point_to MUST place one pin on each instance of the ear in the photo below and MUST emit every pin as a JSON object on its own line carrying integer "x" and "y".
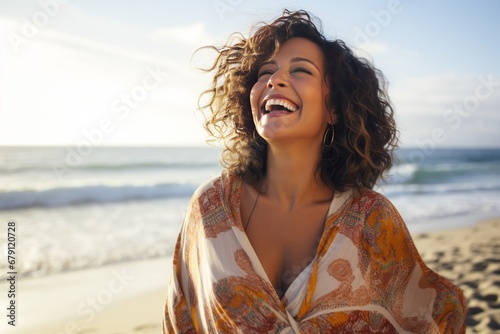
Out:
{"x": 330, "y": 109}
{"x": 333, "y": 117}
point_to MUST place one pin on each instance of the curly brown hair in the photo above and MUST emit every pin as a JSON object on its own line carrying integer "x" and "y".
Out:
{"x": 365, "y": 133}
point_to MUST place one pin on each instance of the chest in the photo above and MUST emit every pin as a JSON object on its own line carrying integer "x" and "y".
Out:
{"x": 286, "y": 243}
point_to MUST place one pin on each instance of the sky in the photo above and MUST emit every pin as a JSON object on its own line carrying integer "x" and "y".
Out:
{"x": 92, "y": 72}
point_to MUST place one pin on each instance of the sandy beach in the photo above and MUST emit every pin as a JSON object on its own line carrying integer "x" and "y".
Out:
{"x": 128, "y": 297}
{"x": 121, "y": 298}
{"x": 469, "y": 257}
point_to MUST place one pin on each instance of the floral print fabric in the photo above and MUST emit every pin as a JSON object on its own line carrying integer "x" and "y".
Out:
{"x": 367, "y": 275}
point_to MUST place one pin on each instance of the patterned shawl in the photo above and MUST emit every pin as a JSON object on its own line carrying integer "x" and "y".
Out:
{"x": 367, "y": 275}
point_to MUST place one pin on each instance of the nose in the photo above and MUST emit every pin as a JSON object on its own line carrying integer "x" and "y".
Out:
{"x": 276, "y": 80}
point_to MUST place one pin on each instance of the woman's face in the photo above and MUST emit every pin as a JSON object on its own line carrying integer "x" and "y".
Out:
{"x": 289, "y": 98}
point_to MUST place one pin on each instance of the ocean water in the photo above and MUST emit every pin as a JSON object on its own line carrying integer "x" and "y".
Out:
{"x": 79, "y": 209}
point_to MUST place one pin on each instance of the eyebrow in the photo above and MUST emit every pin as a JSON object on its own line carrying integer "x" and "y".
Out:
{"x": 297, "y": 59}
{"x": 293, "y": 60}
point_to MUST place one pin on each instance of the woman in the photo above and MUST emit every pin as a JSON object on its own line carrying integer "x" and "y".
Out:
{"x": 291, "y": 238}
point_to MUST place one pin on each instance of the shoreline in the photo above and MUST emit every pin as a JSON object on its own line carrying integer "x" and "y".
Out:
{"x": 125, "y": 297}
{"x": 128, "y": 297}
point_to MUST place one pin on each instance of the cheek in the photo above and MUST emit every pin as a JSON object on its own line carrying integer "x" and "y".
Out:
{"x": 255, "y": 98}
{"x": 315, "y": 96}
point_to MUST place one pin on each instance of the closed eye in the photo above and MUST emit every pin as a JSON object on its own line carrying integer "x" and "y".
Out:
{"x": 265, "y": 72}
{"x": 301, "y": 69}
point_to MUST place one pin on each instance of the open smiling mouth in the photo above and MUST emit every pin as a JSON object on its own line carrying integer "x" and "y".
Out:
{"x": 272, "y": 105}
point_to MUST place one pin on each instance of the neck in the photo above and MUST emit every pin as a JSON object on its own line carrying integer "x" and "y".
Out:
{"x": 292, "y": 179}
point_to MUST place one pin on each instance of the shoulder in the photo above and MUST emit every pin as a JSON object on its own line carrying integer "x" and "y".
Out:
{"x": 369, "y": 201}
{"x": 216, "y": 197}
{"x": 375, "y": 216}
{"x": 217, "y": 188}
{"x": 214, "y": 206}
{"x": 206, "y": 188}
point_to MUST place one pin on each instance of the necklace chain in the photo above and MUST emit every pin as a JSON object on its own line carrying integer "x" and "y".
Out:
{"x": 254, "y": 205}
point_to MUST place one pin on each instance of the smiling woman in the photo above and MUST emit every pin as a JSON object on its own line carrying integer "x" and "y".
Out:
{"x": 291, "y": 238}
{"x": 289, "y": 98}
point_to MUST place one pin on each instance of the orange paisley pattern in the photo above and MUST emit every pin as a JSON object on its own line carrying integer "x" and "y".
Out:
{"x": 367, "y": 276}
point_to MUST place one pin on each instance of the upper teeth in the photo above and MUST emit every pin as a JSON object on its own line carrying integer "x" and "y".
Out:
{"x": 283, "y": 103}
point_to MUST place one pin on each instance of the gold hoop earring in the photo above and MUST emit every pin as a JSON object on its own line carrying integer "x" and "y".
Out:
{"x": 329, "y": 137}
